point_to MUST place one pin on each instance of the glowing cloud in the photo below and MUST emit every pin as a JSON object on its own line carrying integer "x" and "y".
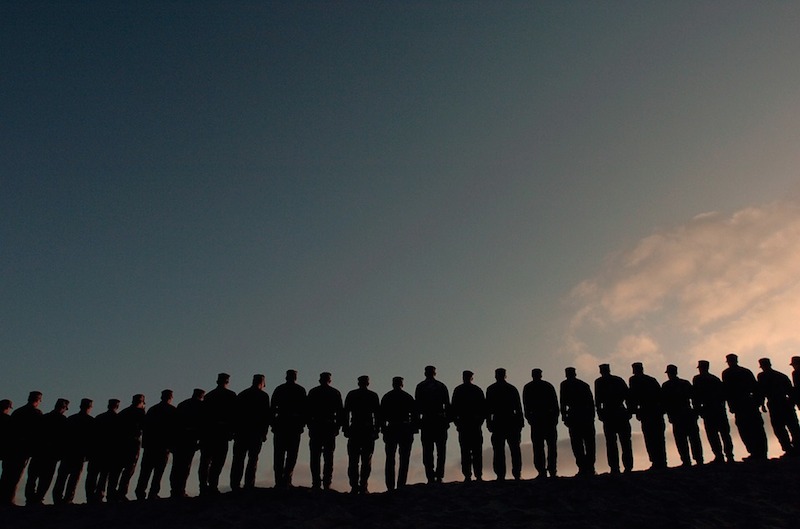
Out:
{"x": 714, "y": 285}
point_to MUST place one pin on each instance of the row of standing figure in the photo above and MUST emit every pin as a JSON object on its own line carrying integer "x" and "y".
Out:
{"x": 112, "y": 441}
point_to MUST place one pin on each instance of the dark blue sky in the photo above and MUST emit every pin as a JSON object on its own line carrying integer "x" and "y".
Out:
{"x": 187, "y": 188}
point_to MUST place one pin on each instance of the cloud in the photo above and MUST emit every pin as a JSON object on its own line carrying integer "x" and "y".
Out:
{"x": 700, "y": 290}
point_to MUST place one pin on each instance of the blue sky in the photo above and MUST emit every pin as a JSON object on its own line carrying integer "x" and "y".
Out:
{"x": 367, "y": 189}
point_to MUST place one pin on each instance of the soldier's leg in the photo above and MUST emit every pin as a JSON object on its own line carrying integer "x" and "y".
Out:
{"x": 404, "y": 448}
{"x": 499, "y": 455}
{"x": 292, "y": 449}
{"x": 367, "y": 449}
{"x": 612, "y": 452}
{"x": 514, "y": 441}
{"x": 466, "y": 453}
{"x": 253, "y": 453}
{"x": 390, "y": 444}
{"x": 539, "y": 459}
{"x": 327, "y": 460}
{"x": 441, "y": 454}
{"x": 353, "y": 453}
{"x": 626, "y": 445}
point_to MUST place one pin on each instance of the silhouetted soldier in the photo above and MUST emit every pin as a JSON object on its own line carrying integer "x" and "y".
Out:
{"x": 24, "y": 425}
{"x": 577, "y": 412}
{"x": 102, "y": 453}
{"x": 505, "y": 420}
{"x": 644, "y": 401}
{"x": 325, "y": 418}
{"x": 741, "y": 392}
{"x": 709, "y": 401}
{"x": 288, "y": 422}
{"x": 678, "y": 402}
{"x": 611, "y": 401}
{"x": 777, "y": 390}
{"x": 433, "y": 403}
{"x": 5, "y": 428}
{"x": 362, "y": 424}
{"x": 158, "y": 438}
{"x": 219, "y": 406}
{"x": 399, "y": 418}
{"x": 48, "y": 449}
{"x": 252, "y": 425}
{"x": 79, "y": 433}
{"x": 469, "y": 412}
{"x": 541, "y": 410}
{"x": 130, "y": 423}
{"x": 189, "y": 417}
{"x": 795, "y": 363}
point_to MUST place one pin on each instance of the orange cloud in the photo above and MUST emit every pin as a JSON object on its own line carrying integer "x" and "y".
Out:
{"x": 713, "y": 285}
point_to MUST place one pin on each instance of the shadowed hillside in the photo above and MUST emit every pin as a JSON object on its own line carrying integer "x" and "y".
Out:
{"x": 740, "y": 495}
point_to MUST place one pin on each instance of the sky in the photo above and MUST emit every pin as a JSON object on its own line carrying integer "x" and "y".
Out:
{"x": 369, "y": 188}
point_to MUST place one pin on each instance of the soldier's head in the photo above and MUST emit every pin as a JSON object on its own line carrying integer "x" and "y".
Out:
{"x": 166, "y": 396}
{"x": 397, "y": 382}
{"x": 113, "y": 404}
{"x": 223, "y": 379}
{"x": 795, "y": 363}
{"x": 466, "y": 376}
{"x": 732, "y": 359}
{"x": 570, "y": 372}
{"x": 672, "y": 371}
{"x": 259, "y": 381}
{"x": 137, "y": 401}
{"x": 605, "y": 369}
{"x": 5, "y": 406}
{"x": 702, "y": 366}
{"x": 325, "y": 378}
{"x": 291, "y": 375}
{"x": 86, "y": 405}
{"x": 363, "y": 381}
{"x": 62, "y": 405}
{"x": 35, "y": 398}
{"x": 198, "y": 394}
{"x": 536, "y": 374}
{"x": 765, "y": 364}
{"x": 430, "y": 371}
{"x": 637, "y": 368}
{"x": 500, "y": 374}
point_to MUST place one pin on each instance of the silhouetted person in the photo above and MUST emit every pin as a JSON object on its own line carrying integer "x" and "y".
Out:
{"x": 645, "y": 402}
{"x": 252, "y": 425}
{"x": 219, "y": 422}
{"x": 611, "y": 401}
{"x": 25, "y": 425}
{"x": 577, "y": 412}
{"x": 362, "y": 424}
{"x": 130, "y": 423}
{"x": 102, "y": 453}
{"x": 325, "y": 418}
{"x": 433, "y": 403}
{"x": 795, "y": 363}
{"x": 48, "y": 448}
{"x": 158, "y": 438}
{"x": 5, "y": 428}
{"x": 469, "y": 413}
{"x": 678, "y": 403}
{"x": 709, "y": 402}
{"x": 288, "y": 422}
{"x": 79, "y": 433}
{"x": 741, "y": 392}
{"x": 505, "y": 420}
{"x": 777, "y": 390}
{"x": 540, "y": 404}
{"x": 189, "y": 417}
{"x": 399, "y": 419}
